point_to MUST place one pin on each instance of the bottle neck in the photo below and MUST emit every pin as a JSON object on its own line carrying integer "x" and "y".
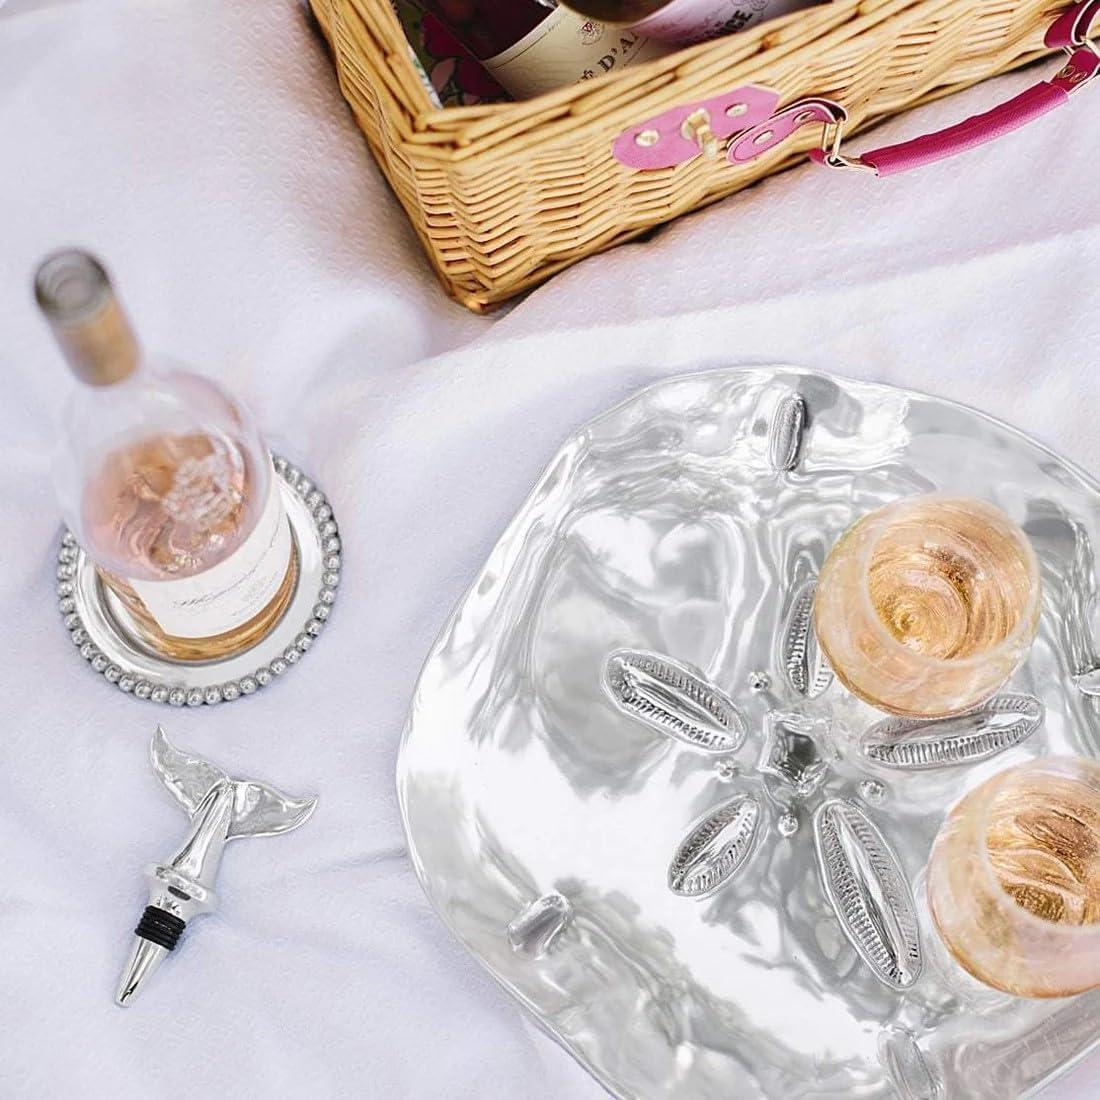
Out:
{"x": 89, "y": 324}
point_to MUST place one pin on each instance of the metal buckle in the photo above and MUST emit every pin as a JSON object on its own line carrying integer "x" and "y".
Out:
{"x": 832, "y": 137}
{"x": 1085, "y": 44}
{"x": 696, "y": 127}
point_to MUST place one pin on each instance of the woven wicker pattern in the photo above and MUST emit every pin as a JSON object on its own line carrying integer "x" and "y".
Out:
{"x": 503, "y": 196}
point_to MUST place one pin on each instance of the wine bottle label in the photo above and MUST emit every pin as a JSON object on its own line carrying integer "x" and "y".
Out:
{"x": 684, "y": 22}
{"x": 566, "y": 48}
{"x": 230, "y": 593}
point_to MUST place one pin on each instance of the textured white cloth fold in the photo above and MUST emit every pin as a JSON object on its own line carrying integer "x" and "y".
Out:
{"x": 203, "y": 149}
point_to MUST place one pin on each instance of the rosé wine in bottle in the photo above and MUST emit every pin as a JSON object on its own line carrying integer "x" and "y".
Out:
{"x": 534, "y": 46}
{"x": 165, "y": 481}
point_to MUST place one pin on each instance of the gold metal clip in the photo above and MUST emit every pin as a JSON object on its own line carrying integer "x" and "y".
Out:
{"x": 696, "y": 127}
{"x": 832, "y": 137}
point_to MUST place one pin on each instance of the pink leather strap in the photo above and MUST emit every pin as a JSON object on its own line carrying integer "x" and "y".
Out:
{"x": 1003, "y": 119}
{"x": 1069, "y": 32}
{"x": 775, "y": 129}
{"x": 1071, "y": 28}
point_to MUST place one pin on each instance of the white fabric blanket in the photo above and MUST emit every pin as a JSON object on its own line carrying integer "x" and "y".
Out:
{"x": 202, "y": 147}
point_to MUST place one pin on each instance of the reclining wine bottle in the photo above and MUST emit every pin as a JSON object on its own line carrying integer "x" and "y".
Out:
{"x": 683, "y": 22}
{"x": 534, "y": 46}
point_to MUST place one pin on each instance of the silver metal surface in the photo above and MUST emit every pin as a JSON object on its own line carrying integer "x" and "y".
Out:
{"x": 869, "y": 893}
{"x": 221, "y": 809}
{"x": 1004, "y": 721}
{"x": 788, "y": 424}
{"x": 96, "y": 620}
{"x": 807, "y": 670}
{"x": 715, "y": 849}
{"x": 534, "y": 930}
{"x": 664, "y": 526}
{"x": 673, "y": 698}
{"x": 794, "y": 753}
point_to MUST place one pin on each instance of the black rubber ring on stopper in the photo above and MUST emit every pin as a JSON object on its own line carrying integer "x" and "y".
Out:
{"x": 160, "y": 927}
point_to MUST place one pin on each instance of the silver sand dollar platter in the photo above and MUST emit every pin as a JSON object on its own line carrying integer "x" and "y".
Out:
{"x": 636, "y": 794}
{"x": 97, "y": 624}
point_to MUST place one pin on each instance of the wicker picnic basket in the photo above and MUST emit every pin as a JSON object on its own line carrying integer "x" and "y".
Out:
{"x": 505, "y": 195}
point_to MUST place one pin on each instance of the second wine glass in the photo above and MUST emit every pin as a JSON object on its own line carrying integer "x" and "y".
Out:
{"x": 928, "y": 605}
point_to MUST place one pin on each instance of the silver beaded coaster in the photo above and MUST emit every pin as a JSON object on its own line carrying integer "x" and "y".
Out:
{"x": 96, "y": 620}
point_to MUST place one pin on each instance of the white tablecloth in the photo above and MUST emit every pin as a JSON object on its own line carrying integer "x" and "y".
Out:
{"x": 203, "y": 149}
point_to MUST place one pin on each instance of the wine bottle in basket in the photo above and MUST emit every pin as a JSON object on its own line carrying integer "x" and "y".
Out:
{"x": 165, "y": 481}
{"x": 534, "y": 46}
{"x": 683, "y": 22}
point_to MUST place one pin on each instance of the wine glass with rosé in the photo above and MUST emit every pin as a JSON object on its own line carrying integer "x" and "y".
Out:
{"x": 925, "y": 607}
{"x": 1014, "y": 879}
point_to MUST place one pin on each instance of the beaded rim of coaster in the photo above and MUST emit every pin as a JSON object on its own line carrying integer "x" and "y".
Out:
{"x": 132, "y": 681}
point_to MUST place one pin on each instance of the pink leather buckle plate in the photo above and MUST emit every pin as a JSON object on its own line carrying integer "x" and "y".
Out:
{"x": 681, "y": 134}
{"x": 775, "y": 130}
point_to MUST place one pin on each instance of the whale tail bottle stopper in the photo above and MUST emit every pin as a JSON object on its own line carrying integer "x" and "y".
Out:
{"x": 182, "y": 888}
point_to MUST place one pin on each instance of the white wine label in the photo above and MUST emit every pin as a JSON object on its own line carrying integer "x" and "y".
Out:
{"x": 230, "y": 593}
{"x": 566, "y": 48}
{"x": 686, "y": 21}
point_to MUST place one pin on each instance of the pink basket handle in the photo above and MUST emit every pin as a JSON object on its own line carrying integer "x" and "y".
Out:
{"x": 1069, "y": 33}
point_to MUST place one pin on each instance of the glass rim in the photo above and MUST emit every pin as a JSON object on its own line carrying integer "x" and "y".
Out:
{"x": 1026, "y": 626}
